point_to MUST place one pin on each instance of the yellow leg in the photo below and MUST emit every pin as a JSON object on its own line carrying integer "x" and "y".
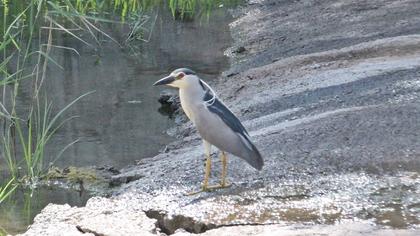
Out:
{"x": 207, "y": 173}
{"x": 205, "y": 187}
{"x": 223, "y": 183}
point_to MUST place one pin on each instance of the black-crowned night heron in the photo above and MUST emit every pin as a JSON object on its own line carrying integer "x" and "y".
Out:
{"x": 216, "y": 124}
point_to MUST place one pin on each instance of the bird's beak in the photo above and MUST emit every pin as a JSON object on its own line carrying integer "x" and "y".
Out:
{"x": 166, "y": 80}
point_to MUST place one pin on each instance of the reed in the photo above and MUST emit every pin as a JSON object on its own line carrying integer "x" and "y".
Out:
{"x": 188, "y": 9}
{"x": 25, "y": 132}
{"x": 7, "y": 189}
{"x": 27, "y": 28}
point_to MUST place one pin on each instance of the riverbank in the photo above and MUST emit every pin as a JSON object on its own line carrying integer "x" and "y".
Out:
{"x": 329, "y": 92}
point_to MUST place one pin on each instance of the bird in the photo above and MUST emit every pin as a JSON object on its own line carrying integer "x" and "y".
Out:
{"x": 216, "y": 124}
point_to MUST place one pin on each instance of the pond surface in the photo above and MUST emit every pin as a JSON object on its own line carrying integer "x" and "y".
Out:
{"x": 18, "y": 211}
{"x": 119, "y": 123}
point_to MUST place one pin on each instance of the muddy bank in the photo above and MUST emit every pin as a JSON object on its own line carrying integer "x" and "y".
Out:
{"x": 329, "y": 92}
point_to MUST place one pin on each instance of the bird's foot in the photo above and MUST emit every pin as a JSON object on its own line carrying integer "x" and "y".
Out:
{"x": 209, "y": 188}
{"x": 197, "y": 192}
{"x": 203, "y": 189}
{"x": 224, "y": 184}
{"x": 218, "y": 186}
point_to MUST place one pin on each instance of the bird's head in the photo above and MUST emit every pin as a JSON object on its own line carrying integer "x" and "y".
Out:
{"x": 179, "y": 78}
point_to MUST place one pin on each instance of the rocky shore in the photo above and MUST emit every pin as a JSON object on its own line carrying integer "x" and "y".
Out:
{"x": 329, "y": 91}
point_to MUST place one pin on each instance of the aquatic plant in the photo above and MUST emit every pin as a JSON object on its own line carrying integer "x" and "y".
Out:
{"x": 187, "y": 9}
{"x": 27, "y": 130}
{"x": 27, "y": 29}
{"x": 7, "y": 189}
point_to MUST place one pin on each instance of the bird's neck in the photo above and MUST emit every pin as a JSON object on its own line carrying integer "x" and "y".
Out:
{"x": 191, "y": 93}
{"x": 191, "y": 97}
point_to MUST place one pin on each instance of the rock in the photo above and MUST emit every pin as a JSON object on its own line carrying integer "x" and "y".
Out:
{"x": 95, "y": 180}
{"x": 348, "y": 228}
{"x": 170, "y": 224}
{"x": 333, "y": 108}
{"x": 170, "y": 104}
{"x": 117, "y": 180}
{"x": 166, "y": 96}
{"x": 109, "y": 169}
{"x": 240, "y": 49}
{"x": 100, "y": 217}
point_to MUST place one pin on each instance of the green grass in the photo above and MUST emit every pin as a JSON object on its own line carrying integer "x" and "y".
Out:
{"x": 7, "y": 189}
{"x": 27, "y": 29}
{"x": 25, "y": 131}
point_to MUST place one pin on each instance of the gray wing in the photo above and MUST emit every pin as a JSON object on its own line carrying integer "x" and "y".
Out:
{"x": 249, "y": 152}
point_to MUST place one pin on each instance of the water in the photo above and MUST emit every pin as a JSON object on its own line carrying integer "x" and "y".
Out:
{"x": 120, "y": 122}
{"x": 18, "y": 211}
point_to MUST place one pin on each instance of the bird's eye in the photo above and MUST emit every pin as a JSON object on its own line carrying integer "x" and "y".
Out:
{"x": 180, "y": 75}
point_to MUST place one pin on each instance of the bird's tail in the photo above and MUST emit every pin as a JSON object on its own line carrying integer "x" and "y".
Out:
{"x": 254, "y": 158}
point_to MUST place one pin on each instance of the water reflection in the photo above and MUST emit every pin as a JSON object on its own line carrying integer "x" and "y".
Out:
{"x": 120, "y": 122}
{"x": 18, "y": 211}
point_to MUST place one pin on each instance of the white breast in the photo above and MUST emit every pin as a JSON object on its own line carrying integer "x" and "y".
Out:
{"x": 191, "y": 102}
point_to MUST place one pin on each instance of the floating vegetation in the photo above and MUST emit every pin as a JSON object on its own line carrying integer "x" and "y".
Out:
{"x": 73, "y": 174}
